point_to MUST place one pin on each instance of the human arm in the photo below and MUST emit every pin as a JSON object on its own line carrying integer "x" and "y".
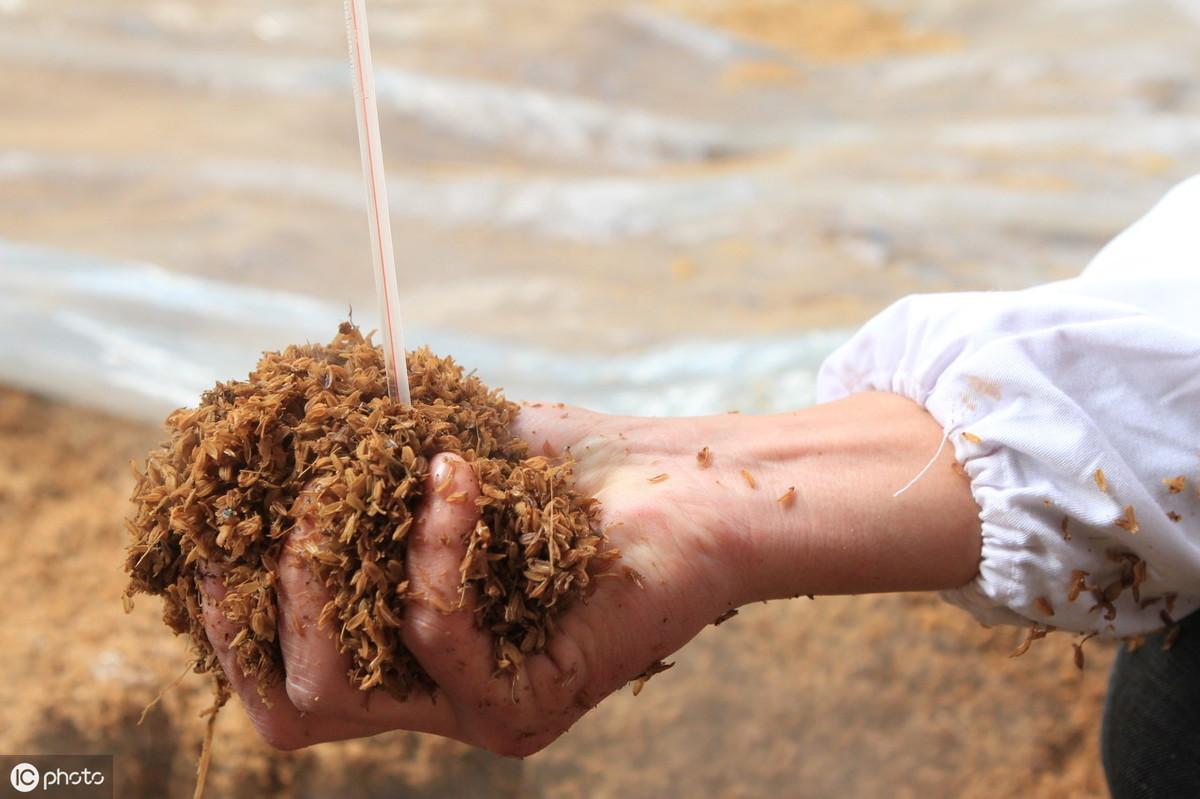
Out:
{"x": 1074, "y": 408}
{"x": 694, "y": 545}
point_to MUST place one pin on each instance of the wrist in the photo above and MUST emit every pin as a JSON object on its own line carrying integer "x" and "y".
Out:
{"x": 728, "y": 491}
{"x": 842, "y": 530}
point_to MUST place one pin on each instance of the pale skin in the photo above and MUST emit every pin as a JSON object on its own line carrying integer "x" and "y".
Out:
{"x": 693, "y": 546}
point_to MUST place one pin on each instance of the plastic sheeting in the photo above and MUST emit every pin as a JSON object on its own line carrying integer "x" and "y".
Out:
{"x": 629, "y": 205}
{"x": 139, "y": 341}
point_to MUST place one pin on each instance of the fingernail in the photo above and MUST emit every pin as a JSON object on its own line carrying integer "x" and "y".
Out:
{"x": 443, "y": 473}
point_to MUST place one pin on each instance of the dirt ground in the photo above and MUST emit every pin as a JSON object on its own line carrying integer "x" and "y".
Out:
{"x": 856, "y": 696}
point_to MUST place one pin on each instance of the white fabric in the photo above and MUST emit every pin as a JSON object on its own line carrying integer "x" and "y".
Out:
{"x": 1051, "y": 384}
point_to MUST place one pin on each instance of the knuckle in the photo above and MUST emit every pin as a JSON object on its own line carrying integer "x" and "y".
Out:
{"x": 304, "y": 695}
{"x": 571, "y": 657}
{"x": 425, "y": 624}
{"x": 425, "y": 631}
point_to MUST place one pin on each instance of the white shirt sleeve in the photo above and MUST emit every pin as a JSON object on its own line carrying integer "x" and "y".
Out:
{"x": 1075, "y": 409}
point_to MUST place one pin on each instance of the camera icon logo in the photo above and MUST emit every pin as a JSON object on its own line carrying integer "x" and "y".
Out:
{"x": 24, "y": 777}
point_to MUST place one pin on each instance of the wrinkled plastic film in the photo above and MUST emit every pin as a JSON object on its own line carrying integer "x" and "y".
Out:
{"x": 137, "y": 340}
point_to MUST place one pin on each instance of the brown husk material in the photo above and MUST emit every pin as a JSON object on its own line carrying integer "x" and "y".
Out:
{"x": 313, "y": 432}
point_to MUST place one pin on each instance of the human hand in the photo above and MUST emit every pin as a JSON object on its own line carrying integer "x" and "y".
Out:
{"x": 787, "y": 504}
{"x": 672, "y": 580}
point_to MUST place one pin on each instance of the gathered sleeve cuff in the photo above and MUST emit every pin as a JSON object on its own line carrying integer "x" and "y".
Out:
{"x": 1077, "y": 419}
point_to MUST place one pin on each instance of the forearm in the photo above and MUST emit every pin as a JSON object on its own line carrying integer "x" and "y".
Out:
{"x": 843, "y": 531}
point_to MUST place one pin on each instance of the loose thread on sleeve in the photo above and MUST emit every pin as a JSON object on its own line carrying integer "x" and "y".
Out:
{"x": 928, "y": 466}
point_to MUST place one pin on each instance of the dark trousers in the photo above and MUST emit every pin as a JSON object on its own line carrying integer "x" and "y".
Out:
{"x": 1150, "y": 742}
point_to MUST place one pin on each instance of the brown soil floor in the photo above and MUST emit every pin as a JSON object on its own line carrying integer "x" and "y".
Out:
{"x": 859, "y": 696}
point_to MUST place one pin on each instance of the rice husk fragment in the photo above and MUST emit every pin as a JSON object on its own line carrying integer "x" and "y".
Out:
{"x": 313, "y": 434}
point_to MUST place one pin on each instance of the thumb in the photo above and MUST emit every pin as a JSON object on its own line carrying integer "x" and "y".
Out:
{"x": 315, "y": 665}
{"x": 440, "y": 628}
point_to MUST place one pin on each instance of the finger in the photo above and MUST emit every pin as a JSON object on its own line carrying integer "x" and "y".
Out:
{"x": 552, "y": 429}
{"x": 221, "y": 631}
{"x": 279, "y": 723}
{"x": 440, "y": 627}
{"x": 315, "y": 668}
{"x": 630, "y": 622}
{"x": 318, "y": 680}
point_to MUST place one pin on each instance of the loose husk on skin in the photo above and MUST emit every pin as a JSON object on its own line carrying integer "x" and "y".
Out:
{"x": 313, "y": 433}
